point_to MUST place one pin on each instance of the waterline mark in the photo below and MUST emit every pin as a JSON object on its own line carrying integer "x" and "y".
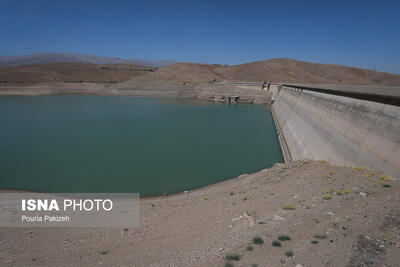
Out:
{"x": 69, "y": 209}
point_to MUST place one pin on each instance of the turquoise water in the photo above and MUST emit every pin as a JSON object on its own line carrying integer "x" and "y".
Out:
{"x": 70, "y": 143}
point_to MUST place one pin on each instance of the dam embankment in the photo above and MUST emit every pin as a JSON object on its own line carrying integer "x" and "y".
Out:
{"x": 340, "y": 129}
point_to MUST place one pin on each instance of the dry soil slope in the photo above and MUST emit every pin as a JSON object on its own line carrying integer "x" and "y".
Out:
{"x": 65, "y": 71}
{"x": 183, "y": 73}
{"x": 277, "y": 70}
{"x": 288, "y": 70}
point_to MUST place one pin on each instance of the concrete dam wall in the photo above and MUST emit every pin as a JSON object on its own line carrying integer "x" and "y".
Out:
{"x": 339, "y": 129}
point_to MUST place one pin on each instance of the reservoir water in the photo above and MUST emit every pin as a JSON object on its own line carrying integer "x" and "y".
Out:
{"x": 70, "y": 143}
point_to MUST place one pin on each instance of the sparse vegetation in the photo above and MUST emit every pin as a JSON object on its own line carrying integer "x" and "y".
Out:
{"x": 231, "y": 193}
{"x": 232, "y": 257}
{"x": 321, "y": 236}
{"x": 104, "y": 252}
{"x": 284, "y": 238}
{"x": 228, "y": 264}
{"x": 289, "y": 253}
{"x": 289, "y": 207}
{"x": 276, "y": 243}
{"x": 249, "y": 248}
{"x": 326, "y": 196}
{"x": 360, "y": 169}
{"x": 258, "y": 240}
{"x": 244, "y": 199}
{"x": 386, "y": 185}
{"x": 383, "y": 177}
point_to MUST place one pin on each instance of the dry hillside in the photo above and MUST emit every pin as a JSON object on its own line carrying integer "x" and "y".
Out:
{"x": 276, "y": 70}
{"x": 184, "y": 72}
{"x": 71, "y": 72}
{"x": 288, "y": 70}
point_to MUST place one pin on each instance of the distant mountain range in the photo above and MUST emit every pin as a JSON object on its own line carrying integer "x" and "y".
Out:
{"x": 40, "y": 58}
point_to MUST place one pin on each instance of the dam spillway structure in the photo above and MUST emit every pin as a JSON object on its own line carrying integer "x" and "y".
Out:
{"x": 344, "y": 125}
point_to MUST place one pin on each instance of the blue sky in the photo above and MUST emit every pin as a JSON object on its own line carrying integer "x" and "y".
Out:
{"x": 356, "y": 33}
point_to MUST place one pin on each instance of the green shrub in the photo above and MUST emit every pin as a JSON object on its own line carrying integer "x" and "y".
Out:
{"x": 284, "y": 238}
{"x": 289, "y": 253}
{"x": 314, "y": 242}
{"x": 276, "y": 243}
{"x": 258, "y": 240}
{"x": 232, "y": 257}
{"x": 249, "y": 248}
{"x": 321, "y": 236}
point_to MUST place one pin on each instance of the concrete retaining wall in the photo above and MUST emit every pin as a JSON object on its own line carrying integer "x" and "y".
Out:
{"x": 338, "y": 129}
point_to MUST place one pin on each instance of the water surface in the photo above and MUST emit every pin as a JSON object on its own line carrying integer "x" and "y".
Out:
{"x": 69, "y": 143}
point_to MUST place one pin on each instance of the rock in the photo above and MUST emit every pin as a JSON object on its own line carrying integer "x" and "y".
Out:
{"x": 185, "y": 192}
{"x": 331, "y": 214}
{"x": 363, "y": 194}
{"x": 220, "y": 249}
{"x": 278, "y": 218}
{"x": 298, "y": 265}
{"x": 249, "y": 218}
{"x": 29, "y": 232}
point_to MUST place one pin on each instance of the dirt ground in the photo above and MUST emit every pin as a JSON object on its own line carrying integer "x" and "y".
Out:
{"x": 333, "y": 216}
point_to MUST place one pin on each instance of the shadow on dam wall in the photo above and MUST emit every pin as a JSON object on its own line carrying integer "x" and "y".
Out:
{"x": 340, "y": 129}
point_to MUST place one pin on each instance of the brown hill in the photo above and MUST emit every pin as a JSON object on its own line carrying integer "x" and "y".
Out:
{"x": 276, "y": 70}
{"x": 288, "y": 70}
{"x": 71, "y": 72}
{"x": 183, "y": 72}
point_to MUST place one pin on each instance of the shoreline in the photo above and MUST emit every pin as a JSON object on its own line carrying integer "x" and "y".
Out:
{"x": 154, "y": 197}
{"x": 199, "y": 90}
{"x": 202, "y": 227}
